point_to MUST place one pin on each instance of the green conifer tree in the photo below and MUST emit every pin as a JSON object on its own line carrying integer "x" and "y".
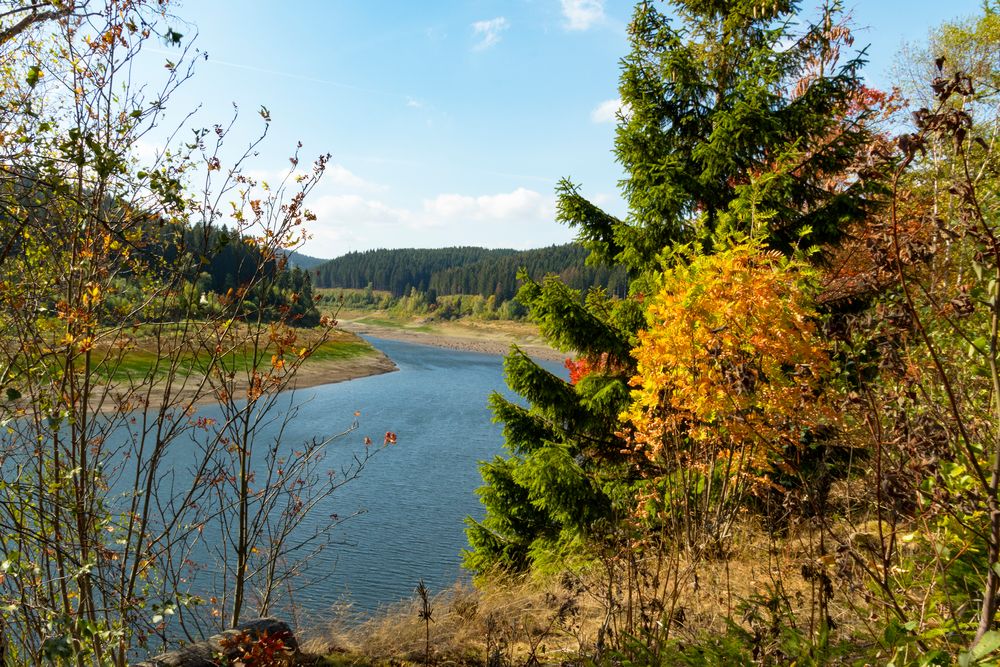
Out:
{"x": 733, "y": 122}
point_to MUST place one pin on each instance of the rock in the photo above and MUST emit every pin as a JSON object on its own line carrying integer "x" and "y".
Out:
{"x": 205, "y": 653}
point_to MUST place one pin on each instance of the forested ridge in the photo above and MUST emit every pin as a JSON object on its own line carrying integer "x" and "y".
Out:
{"x": 200, "y": 264}
{"x": 303, "y": 261}
{"x": 465, "y": 270}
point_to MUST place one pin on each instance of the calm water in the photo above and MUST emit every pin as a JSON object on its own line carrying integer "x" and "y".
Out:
{"x": 416, "y": 494}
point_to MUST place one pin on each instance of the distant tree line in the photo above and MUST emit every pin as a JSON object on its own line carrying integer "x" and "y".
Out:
{"x": 200, "y": 264}
{"x": 465, "y": 270}
{"x": 219, "y": 262}
{"x": 302, "y": 261}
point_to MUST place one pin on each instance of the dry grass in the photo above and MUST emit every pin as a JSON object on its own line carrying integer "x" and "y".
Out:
{"x": 512, "y": 620}
{"x": 489, "y": 337}
{"x": 521, "y": 621}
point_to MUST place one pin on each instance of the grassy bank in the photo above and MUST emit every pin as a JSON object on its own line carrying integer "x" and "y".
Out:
{"x": 143, "y": 360}
{"x": 468, "y": 333}
{"x": 146, "y": 355}
{"x": 757, "y": 605}
{"x": 402, "y": 323}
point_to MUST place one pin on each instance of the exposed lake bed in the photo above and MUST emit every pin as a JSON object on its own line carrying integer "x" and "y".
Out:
{"x": 487, "y": 337}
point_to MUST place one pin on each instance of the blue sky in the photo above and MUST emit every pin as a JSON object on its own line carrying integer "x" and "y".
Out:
{"x": 449, "y": 122}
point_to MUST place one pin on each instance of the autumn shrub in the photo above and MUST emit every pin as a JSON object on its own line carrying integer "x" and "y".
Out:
{"x": 244, "y": 649}
{"x": 729, "y": 386}
{"x": 923, "y": 364}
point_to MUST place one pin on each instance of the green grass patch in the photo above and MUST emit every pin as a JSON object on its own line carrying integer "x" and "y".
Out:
{"x": 135, "y": 365}
{"x": 350, "y": 660}
{"x": 141, "y": 362}
{"x": 340, "y": 351}
{"x": 335, "y": 292}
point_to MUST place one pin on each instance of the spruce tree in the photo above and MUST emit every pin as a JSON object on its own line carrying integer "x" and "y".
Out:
{"x": 565, "y": 466}
{"x": 734, "y": 122}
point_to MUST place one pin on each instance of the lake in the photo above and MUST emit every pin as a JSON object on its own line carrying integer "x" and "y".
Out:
{"x": 415, "y": 494}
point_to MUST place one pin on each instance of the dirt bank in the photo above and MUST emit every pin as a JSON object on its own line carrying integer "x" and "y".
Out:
{"x": 194, "y": 391}
{"x": 471, "y": 338}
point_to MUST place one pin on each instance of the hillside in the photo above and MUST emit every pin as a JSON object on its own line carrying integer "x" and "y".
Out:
{"x": 464, "y": 270}
{"x": 305, "y": 262}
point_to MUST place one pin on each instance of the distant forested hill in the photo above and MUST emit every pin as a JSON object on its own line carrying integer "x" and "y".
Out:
{"x": 304, "y": 262}
{"x": 463, "y": 270}
{"x": 209, "y": 265}
{"x": 397, "y": 270}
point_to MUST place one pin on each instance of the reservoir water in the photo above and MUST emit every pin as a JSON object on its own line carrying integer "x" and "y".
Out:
{"x": 413, "y": 496}
{"x": 416, "y": 494}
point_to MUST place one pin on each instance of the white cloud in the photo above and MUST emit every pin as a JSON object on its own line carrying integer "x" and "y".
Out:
{"x": 489, "y": 32}
{"x": 608, "y": 110}
{"x": 336, "y": 175}
{"x": 520, "y": 205}
{"x": 582, "y": 14}
{"x": 145, "y": 152}
{"x": 521, "y": 218}
{"x": 353, "y": 210}
{"x": 414, "y": 103}
{"x": 346, "y": 222}
{"x": 341, "y": 176}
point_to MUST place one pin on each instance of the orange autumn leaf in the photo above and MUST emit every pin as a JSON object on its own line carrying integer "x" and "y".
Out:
{"x": 730, "y": 362}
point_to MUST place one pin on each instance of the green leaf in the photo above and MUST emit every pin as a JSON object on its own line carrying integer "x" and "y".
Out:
{"x": 173, "y": 38}
{"x": 987, "y": 644}
{"x": 13, "y": 394}
{"x": 33, "y": 75}
{"x": 56, "y": 648}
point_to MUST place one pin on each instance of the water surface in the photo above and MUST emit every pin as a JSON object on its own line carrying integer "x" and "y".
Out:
{"x": 415, "y": 494}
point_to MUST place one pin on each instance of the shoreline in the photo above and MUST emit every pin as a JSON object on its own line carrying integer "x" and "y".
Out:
{"x": 496, "y": 344}
{"x": 375, "y": 362}
{"x": 333, "y": 372}
{"x": 308, "y": 375}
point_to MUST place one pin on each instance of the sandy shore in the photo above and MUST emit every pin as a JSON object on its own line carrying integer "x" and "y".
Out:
{"x": 486, "y": 342}
{"x": 328, "y": 372}
{"x": 483, "y": 338}
{"x": 190, "y": 391}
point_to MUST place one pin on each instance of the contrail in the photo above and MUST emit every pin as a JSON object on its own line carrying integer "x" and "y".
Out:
{"x": 288, "y": 75}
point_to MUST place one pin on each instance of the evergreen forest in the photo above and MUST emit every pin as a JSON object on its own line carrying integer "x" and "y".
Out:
{"x": 472, "y": 271}
{"x": 781, "y": 446}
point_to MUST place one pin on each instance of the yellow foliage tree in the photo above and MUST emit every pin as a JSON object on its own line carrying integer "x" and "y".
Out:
{"x": 730, "y": 378}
